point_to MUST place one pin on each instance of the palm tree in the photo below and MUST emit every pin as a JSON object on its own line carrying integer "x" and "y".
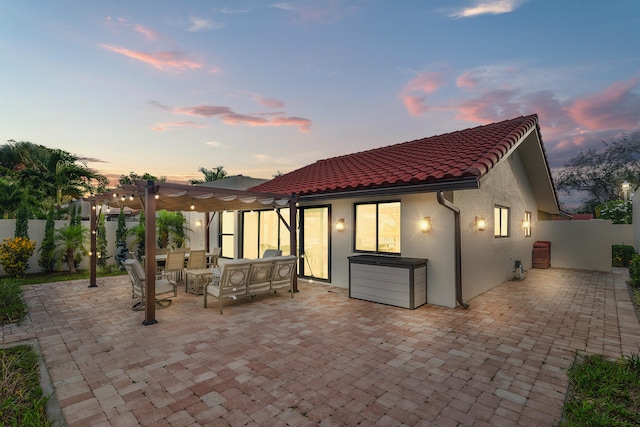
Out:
{"x": 210, "y": 174}
{"x": 70, "y": 240}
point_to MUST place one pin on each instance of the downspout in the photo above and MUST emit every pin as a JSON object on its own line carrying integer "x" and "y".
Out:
{"x": 458, "y": 246}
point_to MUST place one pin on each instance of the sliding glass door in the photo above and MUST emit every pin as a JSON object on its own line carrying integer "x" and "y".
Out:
{"x": 314, "y": 242}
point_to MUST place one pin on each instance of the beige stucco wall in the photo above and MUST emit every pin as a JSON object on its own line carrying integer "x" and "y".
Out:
{"x": 487, "y": 260}
{"x": 437, "y": 246}
{"x": 584, "y": 245}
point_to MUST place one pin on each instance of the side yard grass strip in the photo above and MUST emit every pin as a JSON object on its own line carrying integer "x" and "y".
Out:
{"x": 603, "y": 392}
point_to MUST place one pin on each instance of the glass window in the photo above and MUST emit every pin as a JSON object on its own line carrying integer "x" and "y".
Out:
{"x": 378, "y": 227}
{"x": 227, "y": 234}
{"x": 264, "y": 230}
{"x": 501, "y": 221}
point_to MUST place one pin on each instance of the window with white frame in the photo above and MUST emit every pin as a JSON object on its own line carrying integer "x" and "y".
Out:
{"x": 501, "y": 221}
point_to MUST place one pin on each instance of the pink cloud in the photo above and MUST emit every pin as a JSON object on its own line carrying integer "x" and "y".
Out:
{"x": 413, "y": 92}
{"x": 148, "y": 33}
{"x": 468, "y": 80}
{"x": 269, "y": 102}
{"x": 229, "y": 117}
{"x": 415, "y": 105}
{"x": 165, "y": 61}
{"x": 161, "y": 127}
{"x": 490, "y": 107}
{"x": 616, "y": 107}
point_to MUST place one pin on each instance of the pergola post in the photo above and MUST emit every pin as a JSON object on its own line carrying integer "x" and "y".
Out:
{"x": 150, "y": 254}
{"x": 92, "y": 245}
{"x": 293, "y": 241}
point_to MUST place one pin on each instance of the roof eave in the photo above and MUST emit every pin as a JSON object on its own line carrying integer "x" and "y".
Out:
{"x": 471, "y": 183}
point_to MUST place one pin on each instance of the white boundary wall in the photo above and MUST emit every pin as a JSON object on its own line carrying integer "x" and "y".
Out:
{"x": 583, "y": 245}
{"x": 36, "y": 233}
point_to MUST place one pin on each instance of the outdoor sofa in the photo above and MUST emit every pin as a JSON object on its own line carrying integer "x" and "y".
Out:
{"x": 248, "y": 278}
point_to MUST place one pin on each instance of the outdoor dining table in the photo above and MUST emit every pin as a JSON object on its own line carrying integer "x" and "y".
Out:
{"x": 160, "y": 258}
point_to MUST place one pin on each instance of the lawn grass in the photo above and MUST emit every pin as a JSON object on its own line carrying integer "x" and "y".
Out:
{"x": 21, "y": 399}
{"x": 603, "y": 392}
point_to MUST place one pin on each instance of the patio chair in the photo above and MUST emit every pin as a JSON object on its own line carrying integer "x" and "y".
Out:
{"x": 214, "y": 256}
{"x": 175, "y": 265}
{"x": 271, "y": 253}
{"x": 197, "y": 260}
{"x": 138, "y": 286}
{"x": 233, "y": 282}
{"x": 282, "y": 273}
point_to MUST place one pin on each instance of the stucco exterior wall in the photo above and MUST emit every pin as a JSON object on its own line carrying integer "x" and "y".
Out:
{"x": 584, "y": 245}
{"x": 636, "y": 223}
{"x": 488, "y": 261}
{"x": 437, "y": 246}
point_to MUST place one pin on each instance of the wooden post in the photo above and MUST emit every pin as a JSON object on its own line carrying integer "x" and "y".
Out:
{"x": 92, "y": 245}
{"x": 293, "y": 241}
{"x": 150, "y": 254}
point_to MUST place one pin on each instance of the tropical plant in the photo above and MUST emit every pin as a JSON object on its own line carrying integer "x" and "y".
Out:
{"x": 11, "y": 196}
{"x": 170, "y": 226}
{"x": 178, "y": 229}
{"x": 47, "y": 249}
{"x": 210, "y": 174}
{"x": 70, "y": 240}
{"x": 14, "y": 255}
{"x": 138, "y": 231}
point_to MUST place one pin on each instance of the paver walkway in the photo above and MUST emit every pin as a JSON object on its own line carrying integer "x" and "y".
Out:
{"x": 324, "y": 359}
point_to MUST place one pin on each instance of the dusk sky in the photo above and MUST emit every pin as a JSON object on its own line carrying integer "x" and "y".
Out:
{"x": 261, "y": 87}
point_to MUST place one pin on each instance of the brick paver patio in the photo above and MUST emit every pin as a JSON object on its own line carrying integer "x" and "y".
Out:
{"x": 322, "y": 358}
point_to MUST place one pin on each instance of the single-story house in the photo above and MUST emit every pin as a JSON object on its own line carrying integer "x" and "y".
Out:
{"x": 466, "y": 201}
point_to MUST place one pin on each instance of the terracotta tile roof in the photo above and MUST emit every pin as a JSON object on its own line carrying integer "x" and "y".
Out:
{"x": 463, "y": 155}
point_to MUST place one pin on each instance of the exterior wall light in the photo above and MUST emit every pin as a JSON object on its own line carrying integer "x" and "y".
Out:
{"x": 425, "y": 224}
{"x": 340, "y": 225}
{"x": 481, "y": 223}
{"x": 198, "y": 223}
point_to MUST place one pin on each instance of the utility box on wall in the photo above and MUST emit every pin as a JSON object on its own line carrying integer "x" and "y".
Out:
{"x": 541, "y": 256}
{"x": 388, "y": 280}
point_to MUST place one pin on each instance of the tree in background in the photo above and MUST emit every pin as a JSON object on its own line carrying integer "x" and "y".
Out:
{"x": 598, "y": 175}
{"x": 49, "y": 176}
{"x": 101, "y": 243}
{"x": 47, "y": 260}
{"x": 132, "y": 177}
{"x": 22, "y": 221}
{"x": 178, "y": 229}
{"x": 121, "y": 231}
{"x": 210, "y": 174}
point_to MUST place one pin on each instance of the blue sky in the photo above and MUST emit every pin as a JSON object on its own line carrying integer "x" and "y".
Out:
{"x": 258, "y": 87}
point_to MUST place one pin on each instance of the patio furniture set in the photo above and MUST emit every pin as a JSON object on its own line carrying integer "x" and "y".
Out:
{"x": 235, "y": 278}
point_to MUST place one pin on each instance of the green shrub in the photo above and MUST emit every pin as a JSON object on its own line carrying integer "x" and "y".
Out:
{"x": 634, "y": 271}
{"x": 14, "y": 255}
{"x": 621, "y": 255}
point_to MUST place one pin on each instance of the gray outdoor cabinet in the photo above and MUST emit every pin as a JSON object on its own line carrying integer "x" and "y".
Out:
{"x": 388, "y": 280}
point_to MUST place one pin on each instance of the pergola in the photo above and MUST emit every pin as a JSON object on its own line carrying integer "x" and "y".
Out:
{"x": 151, "y": 196}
